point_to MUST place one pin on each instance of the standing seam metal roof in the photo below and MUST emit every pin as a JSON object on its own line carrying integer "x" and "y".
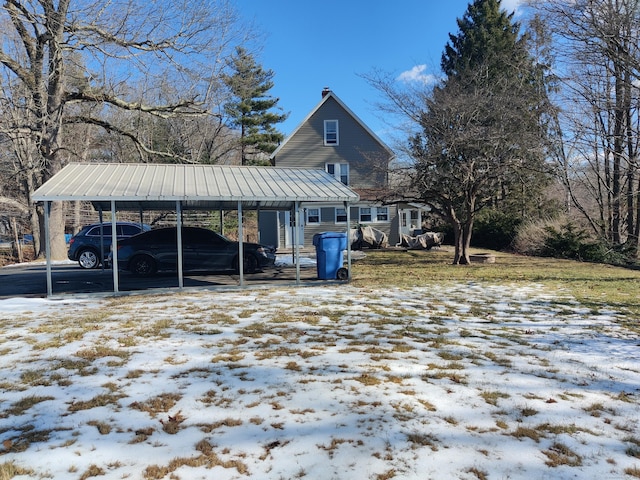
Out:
{"x": 152, "y": 186}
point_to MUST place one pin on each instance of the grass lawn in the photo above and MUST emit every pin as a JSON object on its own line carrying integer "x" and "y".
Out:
{"x": 418, "y": 369}
{"x": 592, "y": 284}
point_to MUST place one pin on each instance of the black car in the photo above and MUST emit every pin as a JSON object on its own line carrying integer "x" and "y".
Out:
{"x": 202, "y": 249}
{"x": 84, "y": 246}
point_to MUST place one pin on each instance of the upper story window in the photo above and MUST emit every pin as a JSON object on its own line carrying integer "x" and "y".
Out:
{"x": 340, "y": 171}
{"x": 331, "y": 136}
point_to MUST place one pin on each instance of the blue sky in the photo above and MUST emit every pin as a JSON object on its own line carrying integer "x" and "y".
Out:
{"x": 315, "y": 44}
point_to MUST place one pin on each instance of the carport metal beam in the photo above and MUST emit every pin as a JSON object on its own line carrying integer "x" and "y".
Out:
{"x": 296, "y": 239}
{"x": 240, "y": 245}
{"x": 47, "y": 246}
{"x": 179, "y": 244}
{"x": 114, "y": 246}
{"x": 347, "y": 207}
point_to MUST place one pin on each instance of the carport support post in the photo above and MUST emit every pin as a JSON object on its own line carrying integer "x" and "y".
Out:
{"x": 347, "y": 207}
{"x": 114, "y": 245}
{"x": 47, "y": 246}
{"x": 102, "y": 236}
{"x": 179, "y": 244}
{"x": 258, "y": 221}
{"x": 240, "y": 245}
{"x": 296, "y": 239}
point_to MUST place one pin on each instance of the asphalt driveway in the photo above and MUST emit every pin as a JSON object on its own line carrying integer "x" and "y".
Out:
{"x": 29, "y": 280}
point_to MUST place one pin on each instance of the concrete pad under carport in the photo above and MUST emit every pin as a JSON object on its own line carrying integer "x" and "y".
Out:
{"x": 69, "y": 280}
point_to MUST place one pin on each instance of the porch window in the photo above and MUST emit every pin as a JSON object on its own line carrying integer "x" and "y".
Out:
{"x": 313, "y": 215}
{"x": 365, "y": 214}
{"x": 331, "y": 136}
{"x": 341, "y": 215}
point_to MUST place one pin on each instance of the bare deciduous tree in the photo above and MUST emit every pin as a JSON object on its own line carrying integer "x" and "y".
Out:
{"x": 74, "y": 62}
{"x": 596, "y": 44}
{"x": 479, "y": 134}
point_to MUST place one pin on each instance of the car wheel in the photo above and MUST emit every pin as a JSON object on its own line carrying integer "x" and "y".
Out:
{"x": 88, "y": 259}
{"x": 142, "y": 266}
{"x": 250, "y": 264}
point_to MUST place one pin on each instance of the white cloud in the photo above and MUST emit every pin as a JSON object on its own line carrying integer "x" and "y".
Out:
{"x": 511, "y": 5}
{"x": 417, "y": 74}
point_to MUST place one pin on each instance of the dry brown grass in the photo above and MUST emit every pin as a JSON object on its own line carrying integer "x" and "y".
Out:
{"x": 559, "y": 454}
{"x": 594, "y": 285}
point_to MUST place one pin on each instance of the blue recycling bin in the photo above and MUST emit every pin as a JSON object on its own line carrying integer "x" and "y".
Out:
{"x": 330, "y": 248}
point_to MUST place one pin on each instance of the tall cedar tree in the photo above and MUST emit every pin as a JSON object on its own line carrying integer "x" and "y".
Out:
{"x": 481, "y": 140}
{"x": 250, "y": 108}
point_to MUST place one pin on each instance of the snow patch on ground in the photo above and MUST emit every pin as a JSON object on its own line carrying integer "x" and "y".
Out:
{"x": 328, "y": 382}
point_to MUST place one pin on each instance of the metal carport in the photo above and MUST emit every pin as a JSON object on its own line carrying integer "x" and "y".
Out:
{"x": 139, "y": 187}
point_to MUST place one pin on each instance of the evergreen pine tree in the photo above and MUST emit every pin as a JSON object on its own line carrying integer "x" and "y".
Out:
{"x": 482, "y": 130}
{"x": 251, "y": 107}
{"x": 487, "y": 39}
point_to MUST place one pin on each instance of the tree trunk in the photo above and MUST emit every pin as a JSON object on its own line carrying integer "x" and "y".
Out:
{"x": 462, "y": 241}
{"x": 36, "y": 220}
{"x": 17, "y": 247}
{"x": 457, "y": 241}
{"x": 56, "y": 232}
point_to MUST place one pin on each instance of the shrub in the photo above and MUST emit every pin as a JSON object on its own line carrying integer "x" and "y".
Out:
{"x": 569, "y": 241}
{"x": 562, "y": 238}
{"x": 494, "y": 229}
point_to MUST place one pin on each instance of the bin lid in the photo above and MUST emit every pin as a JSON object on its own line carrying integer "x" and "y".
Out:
{"x": 319, "y": 238}
{"x": 330, "y": 235}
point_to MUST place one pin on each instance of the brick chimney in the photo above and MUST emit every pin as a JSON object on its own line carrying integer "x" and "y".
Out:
{"x": 325, "y": 91}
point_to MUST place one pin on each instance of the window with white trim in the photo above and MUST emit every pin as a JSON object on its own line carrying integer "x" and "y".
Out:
{"x": 373, "y": 214}
{"x": 331, "y": 136}
{"x": 339, "y": 170}
{"x": 365, "y": 214}
{"x": 313, "y": 215}
{"x": 341, "y": 215}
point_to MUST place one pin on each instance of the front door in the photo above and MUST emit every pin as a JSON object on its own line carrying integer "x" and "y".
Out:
{"x": 410, "y": 221}
{"x": 289, "y": 233}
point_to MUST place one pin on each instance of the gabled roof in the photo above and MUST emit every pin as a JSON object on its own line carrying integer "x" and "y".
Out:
{"x": 153, "y": 186}
{"x": 330, "y": 95}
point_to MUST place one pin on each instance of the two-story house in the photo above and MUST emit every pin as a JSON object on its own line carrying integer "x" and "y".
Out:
{"x": 332, "y": 138}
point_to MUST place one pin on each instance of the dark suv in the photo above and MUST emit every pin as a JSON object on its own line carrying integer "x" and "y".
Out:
{"x": 84, "y": 246}
{"x": 202, "y": 249}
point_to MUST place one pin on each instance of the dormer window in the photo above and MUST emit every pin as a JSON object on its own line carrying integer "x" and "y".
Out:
{"x": 331, "y": 132}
